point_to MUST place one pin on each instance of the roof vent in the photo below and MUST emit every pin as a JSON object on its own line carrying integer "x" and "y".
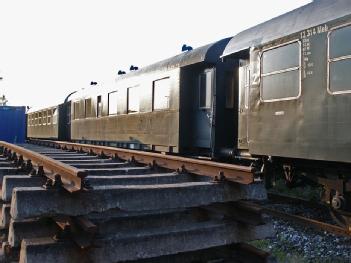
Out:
{"x": 186, "y": 48}
{"x": 133, "y": 68}
{"x": 121, "y": 72}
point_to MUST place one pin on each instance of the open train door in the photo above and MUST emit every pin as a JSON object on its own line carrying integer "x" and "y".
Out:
{"x": 65, "y": 119}
{"x": 203, "y": 109}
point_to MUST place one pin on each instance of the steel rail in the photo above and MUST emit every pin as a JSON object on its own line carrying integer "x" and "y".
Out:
{"x": 308, "y": 222}
{"x": 276, "y": 197}
{"x": 231, "y": 172}
{"x": 71, "y": 177}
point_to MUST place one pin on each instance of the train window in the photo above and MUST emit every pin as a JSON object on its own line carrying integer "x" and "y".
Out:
{"x": 133, "y": 100}
{"x": 280, "y": 73}
{"x": 36, "y": 119}
{"x": 49, "y": 117}
{"x": 39, "y": 118}
{"x": 205, "y": 89}
{"x": 339, "y": 60}
{"x": 44, "y": 121}
{"x": 244, "y": 84}
{"x": 247, "y": 86}
{"x": 76, "y": 110}
{"x": 54, "y": 116}
{"x": 99, "y": 106}
{"x": 339, "y": 45}
{"x": 45, "y": 117}
{"x": 88, "y": 108}
{"x": 112, "y": 103}
{"x": 161, "y": 94}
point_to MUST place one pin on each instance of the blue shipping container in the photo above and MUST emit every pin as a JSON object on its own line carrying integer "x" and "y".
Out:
{"x": 12, "y": 124}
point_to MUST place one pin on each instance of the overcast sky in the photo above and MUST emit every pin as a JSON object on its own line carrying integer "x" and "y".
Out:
{"x": 50, "y": 48}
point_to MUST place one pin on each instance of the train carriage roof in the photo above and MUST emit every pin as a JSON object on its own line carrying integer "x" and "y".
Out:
{"x": 313, "y": 14}
{"x": 209, "y": 53}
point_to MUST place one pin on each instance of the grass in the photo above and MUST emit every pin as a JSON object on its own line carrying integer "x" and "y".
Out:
{"x": 306, "y": 191}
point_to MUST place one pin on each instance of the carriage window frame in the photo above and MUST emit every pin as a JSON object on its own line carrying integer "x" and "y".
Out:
{"x": 45, "y": 117}
{"x": 129, "y": 98}
{"x": 40, "y": 118}
{"x": 337, "y": 59}
{"x": 99, "y": 106}
{"x": 154, "y": 92}
{"x": 299, "y": 68}
{"x": 29, "y": 120}
{"x": 54, "y": 116}
{"x": 88, "y": 108}
{"x": 76, "y": 113}
{"x": 115, "y": 103}
{"x": 36, "y": 120}
{"x": 49, "y": 115}
{"x": 207, "y": 94}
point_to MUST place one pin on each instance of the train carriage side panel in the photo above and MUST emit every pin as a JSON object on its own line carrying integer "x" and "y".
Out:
{"x": 146, "y": 127}
{"x": 300, "y": 83}
{"x": 43, "y": 124}
{"x": 304, "y": 111}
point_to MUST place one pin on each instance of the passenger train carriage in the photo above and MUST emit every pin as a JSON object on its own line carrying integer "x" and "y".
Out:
{"x": 300, "y": 94}
{"x": 278, "y": 94}
{"x": 168, "y": 106}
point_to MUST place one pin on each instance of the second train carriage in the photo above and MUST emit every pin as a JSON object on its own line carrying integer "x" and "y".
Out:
{"x": 177, "y": 105}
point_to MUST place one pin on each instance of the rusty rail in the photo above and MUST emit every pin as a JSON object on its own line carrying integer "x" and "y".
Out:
{"x": 72, "y": 178}
{"x": 231, "y": 172}
{"x": 301, "y": 220}
{"x": 308, "y": 222}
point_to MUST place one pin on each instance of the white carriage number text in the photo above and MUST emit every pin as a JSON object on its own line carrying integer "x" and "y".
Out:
{"x": 313, "y": 31}
{"x": 306, "y": 47}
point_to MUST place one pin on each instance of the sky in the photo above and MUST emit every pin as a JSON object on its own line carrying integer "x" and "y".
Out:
{"x": 50, "y": 48}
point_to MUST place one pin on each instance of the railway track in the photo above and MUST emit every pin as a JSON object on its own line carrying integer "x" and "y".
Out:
{"x": 300, "y": 219}
{"x": 73, "y": 202}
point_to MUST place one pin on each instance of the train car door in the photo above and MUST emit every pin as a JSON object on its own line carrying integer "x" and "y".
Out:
{"x": 243, "y": 102}
{"x": 68, "y": 121}
{"x": 65, "y": 121}
{"x": 203, "y": 109}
